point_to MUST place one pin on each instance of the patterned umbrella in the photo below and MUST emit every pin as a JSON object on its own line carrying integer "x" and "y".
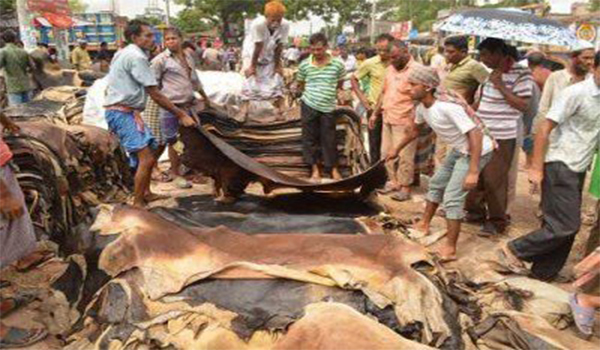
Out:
{"x": 513, "y": 25}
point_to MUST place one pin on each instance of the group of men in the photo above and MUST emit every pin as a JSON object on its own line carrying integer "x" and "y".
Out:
{"x": 479, "y": 111}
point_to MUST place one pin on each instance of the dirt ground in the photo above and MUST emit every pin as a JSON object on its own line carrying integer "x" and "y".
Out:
{"x": 523, "y": 213}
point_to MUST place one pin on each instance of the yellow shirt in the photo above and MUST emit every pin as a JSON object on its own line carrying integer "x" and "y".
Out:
{"x": 465, "y": 77}
{"x": 373, "y": 69}
{"x": 81, "y": 59}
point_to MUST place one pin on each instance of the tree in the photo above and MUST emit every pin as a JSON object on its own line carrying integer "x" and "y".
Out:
{"x": 153, "y": 21}
{"x": 77, "y": 6}
{"x": 595, "y": 5}
{"x": 422, "y": 13}
{"x": 7, "y": 6}
{"x": 191, "y": 20}
{"x": 224, "y": 13}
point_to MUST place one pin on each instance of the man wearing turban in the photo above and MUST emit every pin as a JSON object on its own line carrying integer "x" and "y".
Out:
{"x": 261, "y": 56}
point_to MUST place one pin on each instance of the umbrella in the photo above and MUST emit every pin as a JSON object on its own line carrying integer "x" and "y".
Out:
{"x": 512, "y": 25}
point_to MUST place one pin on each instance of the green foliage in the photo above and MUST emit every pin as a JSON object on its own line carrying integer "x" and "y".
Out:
{"x": 422, "y": 13}
{"x": 150, "y": 20}
{"x": 191, "y": 20}
{"x": 77, "y": 6}
{"x": 594, "y": 5}
{"x": 515, "y": 3}
{"x": 8, "y": 6}
{"x": 223, "y": 13}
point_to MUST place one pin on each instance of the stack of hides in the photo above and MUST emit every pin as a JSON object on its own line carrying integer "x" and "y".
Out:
{"x": 63, "y": 169}
{"x": 279, "y": 144}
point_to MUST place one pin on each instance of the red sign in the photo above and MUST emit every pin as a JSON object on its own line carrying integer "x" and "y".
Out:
{"x": 59, "y": 7}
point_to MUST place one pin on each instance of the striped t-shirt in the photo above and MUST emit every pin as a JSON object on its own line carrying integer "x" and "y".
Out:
{"x": 495, "y": 112}
{"x": 320, "y": 89}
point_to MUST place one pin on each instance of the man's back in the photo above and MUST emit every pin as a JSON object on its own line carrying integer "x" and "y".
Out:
{"x": 16, "y": 64}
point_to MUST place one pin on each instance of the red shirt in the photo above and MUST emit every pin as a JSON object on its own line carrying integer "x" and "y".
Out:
{"x": 5, "y": 153}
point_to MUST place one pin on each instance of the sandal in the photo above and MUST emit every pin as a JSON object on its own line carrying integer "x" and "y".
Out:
{"x": 583, "y": 317}
{"x": 19, "y": 337}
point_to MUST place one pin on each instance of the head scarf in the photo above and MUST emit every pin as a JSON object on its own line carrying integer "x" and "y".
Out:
{"x": 274, "y": 8}
{"x": 429, "y": 77}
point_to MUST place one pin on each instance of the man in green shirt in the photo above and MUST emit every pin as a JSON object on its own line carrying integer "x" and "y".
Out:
{"x": 16, "y": 64}
{"x": 374, "y": 69}
{"x": 320, "y": 77}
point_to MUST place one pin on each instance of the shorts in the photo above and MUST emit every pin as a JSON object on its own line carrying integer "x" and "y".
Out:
{"x": 133, "y": 138}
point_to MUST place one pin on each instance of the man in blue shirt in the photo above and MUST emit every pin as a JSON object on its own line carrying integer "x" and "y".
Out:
{"x": 130, "y": 80}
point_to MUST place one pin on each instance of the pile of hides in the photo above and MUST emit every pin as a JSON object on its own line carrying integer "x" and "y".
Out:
{"x": 61, "y": 104}
{"x": 64, "y": 170}
{"x": 232, "y": 170}
{"x": 279, "y": 144}
{"x": 184, "y": 286}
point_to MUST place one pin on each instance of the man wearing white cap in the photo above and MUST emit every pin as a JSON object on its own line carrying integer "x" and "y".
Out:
{"x": 582, "y": 63}
{"x": 80, "y": 58}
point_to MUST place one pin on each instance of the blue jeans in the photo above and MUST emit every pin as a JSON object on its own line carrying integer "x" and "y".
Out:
{"x": 446, "y": 185}
{"x": 18, "y": 98}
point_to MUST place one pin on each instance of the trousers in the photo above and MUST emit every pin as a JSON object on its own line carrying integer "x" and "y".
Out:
{"x": 549, "y": 246}
{"x": 318, "y": 137}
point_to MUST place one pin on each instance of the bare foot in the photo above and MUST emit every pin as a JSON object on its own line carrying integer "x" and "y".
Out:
{"x": 446, "y": 253}
{"x": 422, "y": 227}
{"x": 335, "y": 174}
{"x": 316, "y": 174}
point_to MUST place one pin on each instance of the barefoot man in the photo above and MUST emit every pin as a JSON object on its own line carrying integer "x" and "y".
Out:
{"x": 129, "y": 81}
{"x": 262, "y": 63}
{"x": 455, "y": 123}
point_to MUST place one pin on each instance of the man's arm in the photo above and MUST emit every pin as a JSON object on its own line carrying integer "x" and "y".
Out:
{"x": 377, "y": 110}
{"x": 410, "y": 135}
{"x": 540, "y": 145}
{"x": 475, "y": 139}
{"x": 165, "y": 103}
{"x": 255, "y": 55}
{"x": 359, "y": 93}
{"x": 278, "y": 51}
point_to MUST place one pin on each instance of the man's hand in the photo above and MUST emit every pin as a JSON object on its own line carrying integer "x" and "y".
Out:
{"x": 373, "y": 120}
{"x": 535, "y": 179}
{"x": 186, "y": 120}
{"x": 250, "y": 71}
{"x": 496, "y": 79}
{"x": 392, "y": 154}
{"x": 278, "y": 70}
{"x": 11, "y": 207}
{"x": 471, "y": 181}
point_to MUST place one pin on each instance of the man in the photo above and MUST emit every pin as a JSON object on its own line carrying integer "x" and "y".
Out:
{"x": 438, "y": 62}
{"x": 453, "y": 120}
{"x": 373, "y": 69}
{"x": 16, "y": 64}
{"x": 292, "y": 56}
{"x": 211, "y": 58}
{"x": 504, "y": 98}
{"x": 535, "y": 61}
{"x": 176, "y": 75}
{"x": 261, "y": 58}
{"x": 582, "y": 62}
{"x": 464, "y": 73}
{"x": 129, "y": 80}
{"x": 320, "y": 76}
{"x": 570, "y": 133}
{"x": 398, "y": 109}
{"x": 17, "y": 239}
{"x": 103, "y": 53}
{"x": 80, "y": 58}
{"x": 349, "y": 61}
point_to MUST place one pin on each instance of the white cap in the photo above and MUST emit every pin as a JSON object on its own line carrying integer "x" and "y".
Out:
{"x": 582, "y": 45}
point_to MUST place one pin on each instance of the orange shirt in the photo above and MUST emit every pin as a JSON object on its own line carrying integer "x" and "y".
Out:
{"x": 398, "y": 107}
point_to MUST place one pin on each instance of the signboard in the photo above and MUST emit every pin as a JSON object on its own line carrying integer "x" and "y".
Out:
{"x": 586, "y": 32}
{"x": 401, "y": 30}
{"x": 59, "y": 7}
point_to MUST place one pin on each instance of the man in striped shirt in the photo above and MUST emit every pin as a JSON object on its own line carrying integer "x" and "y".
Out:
{"x": 320, "y": 77}
{"x": 503, "y": 99}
